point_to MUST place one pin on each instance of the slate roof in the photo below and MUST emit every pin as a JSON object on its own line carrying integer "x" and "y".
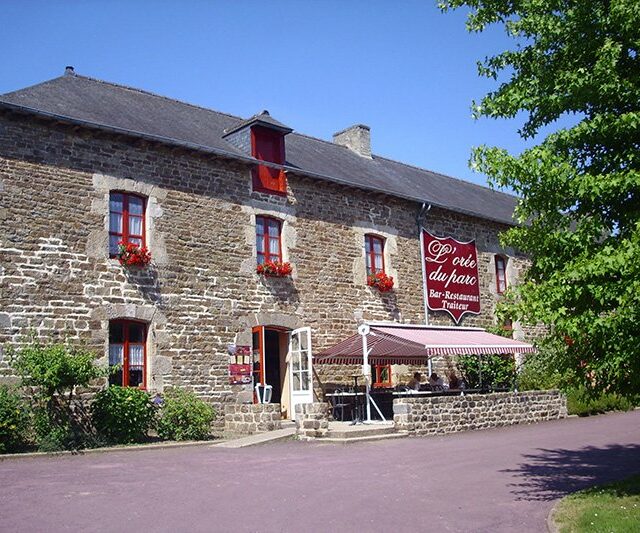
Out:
{"x": 262, "y": 119}
{"x": 95, "y": 103}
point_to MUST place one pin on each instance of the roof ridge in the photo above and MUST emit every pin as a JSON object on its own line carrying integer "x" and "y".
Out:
{"x": 150, "y": 93}
{"x": 376, "y": 156}
{"x": 467, "y": 182}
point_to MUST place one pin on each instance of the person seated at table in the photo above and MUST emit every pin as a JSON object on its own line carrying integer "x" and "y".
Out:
{"x": 454, "y": 381}
{"x": 436, "y": 382}
{"x": 414, "y": 382}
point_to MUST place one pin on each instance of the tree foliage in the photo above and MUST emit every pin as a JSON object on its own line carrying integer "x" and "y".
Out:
{"x": 579, "y": 212}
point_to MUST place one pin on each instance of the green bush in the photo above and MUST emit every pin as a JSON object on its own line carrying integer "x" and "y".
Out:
{"x": 184, "y": 416}
{"x": 544, "y": 370}
{"x": 54, "y": 433}
{"x": 581, "y": 403}
{"x": 14, "y": 421}
{"x": 488, "y": 371}
{"x": 123, "y": 415}
{"x": 536, "y": 374}
{"x": 55, "y": 368}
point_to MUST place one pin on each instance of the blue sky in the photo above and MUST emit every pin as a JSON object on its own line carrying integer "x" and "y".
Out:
{"x": 403, "y": 68}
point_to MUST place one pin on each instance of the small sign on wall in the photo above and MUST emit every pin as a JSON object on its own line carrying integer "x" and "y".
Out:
{"x": 451, "y": 271}
{"x": 239, "y": 364}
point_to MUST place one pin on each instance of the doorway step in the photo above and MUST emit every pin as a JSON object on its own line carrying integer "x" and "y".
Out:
{"x": 346, "y": 433}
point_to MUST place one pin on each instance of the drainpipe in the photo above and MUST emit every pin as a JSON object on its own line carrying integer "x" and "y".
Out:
{"x": 424, "y": 211}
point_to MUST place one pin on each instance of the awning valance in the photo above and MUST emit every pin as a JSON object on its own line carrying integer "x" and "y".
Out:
{"x": 409, "y": 344}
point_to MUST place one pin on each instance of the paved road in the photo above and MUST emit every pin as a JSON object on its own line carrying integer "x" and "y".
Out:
{"x": 496, "y": 480}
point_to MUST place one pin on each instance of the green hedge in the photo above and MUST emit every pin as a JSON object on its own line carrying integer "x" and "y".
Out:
{"x": 580, "y": 403}
{"x": 184, "y": 416}
{"x": 14, "y": 421}
{"x": 123, "y": 415}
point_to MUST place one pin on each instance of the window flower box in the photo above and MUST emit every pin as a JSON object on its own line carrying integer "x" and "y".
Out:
{"x": 274, "y": 269}
{"x": 132, "y": 255}
{"x": 380, "y": 281}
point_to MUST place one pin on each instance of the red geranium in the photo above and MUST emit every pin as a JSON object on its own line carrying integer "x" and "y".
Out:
{"x": 274, "y": 269}
{"x": 130, "y": 254}
{"x": 381, "y": 281}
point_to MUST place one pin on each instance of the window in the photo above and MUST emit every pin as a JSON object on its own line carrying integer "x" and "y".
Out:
{"x": 126, "y": 220}
{"x": 381, "y": 375}
{"x": 127, "y": 352}
{"x": 268, "y": 242}
{"x": 374, "y": 251}
{"x": 501, "y": 274}
{"x": 268, "y": 145}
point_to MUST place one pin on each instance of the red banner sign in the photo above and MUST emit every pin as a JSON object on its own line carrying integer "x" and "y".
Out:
{"x": 451, "y": 270}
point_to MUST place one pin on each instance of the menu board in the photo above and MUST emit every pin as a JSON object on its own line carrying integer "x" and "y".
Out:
{"x": 239, "y": 365}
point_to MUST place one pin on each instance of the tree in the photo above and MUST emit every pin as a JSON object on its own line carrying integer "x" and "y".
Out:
{"x": 579, "y": 211}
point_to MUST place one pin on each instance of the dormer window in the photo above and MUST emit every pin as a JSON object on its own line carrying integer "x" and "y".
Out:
{"x": 265, "y": 136}
{"x": 268, "y": 145}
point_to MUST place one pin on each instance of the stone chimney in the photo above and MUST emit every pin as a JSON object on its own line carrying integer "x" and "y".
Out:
{"x": 356, "y": 138}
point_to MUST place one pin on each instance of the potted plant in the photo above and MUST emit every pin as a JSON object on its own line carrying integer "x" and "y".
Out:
{"x": 274, "y": 269}
{"x": 380, "y": 281}
{"x": 132, "y": 255}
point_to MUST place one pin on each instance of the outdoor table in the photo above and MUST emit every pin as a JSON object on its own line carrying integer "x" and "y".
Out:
{"x": 340, "y": 400}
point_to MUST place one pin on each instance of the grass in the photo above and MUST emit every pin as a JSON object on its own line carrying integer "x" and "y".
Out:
{"x": 608, "y": 508}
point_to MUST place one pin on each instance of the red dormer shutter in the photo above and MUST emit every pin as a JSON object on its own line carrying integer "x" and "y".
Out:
{"x": 268, "y": 145}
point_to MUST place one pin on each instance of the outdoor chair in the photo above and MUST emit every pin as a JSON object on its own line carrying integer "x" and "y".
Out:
{"x": 338, "y": 404}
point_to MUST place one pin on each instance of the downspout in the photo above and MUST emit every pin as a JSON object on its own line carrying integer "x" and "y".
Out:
{"x": 424, "y": 211}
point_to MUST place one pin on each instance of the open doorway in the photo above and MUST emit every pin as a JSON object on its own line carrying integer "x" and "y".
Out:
{"x": 282, "y": 359}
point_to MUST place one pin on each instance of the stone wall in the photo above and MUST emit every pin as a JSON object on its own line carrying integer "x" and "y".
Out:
{"x": 201, "y": 293}
{"x": 247, "y": 419}
{"x": 449, "y": 414}
{"x": 312, "y": 420}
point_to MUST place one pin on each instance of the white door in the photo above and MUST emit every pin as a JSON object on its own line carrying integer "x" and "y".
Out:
{"x": 300, "y": 380}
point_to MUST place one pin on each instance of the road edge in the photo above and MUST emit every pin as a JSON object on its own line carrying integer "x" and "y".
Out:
{"x": 551, "y": 522}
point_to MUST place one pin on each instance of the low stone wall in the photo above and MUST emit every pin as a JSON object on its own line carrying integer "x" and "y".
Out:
{"x": 312, "y": 420}
{"x": 247, "y": 419}
{"x": 449, "y": 414}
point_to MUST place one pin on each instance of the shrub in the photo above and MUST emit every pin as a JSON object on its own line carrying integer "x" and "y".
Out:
{"x": 545, "y": 369}
{"x": 536, "y": 374}
{"x": 14, "y": 421}
{"x": 55, "y": 368}
{"x": 184, "y": 416}
{"x": 123, "y": 414}
{"x": 581, "y": 403}
{"x": 489, "y": 371}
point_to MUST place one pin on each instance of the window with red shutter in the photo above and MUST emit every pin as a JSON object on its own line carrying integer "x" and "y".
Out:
{"x": 127, "y": 353}
{"x": 126, "y": 220}
{"x": 501, "y": 274}
{"x": 374, "y": 254}
{"x": 268, "y": 241}
{"x": 268, "y": 145}
{"x": 381, "y": 375}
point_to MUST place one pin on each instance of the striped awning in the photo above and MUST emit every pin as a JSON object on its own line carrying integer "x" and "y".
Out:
{"x": 406, "y": 344}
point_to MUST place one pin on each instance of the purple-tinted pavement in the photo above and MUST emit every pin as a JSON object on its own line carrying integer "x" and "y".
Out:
{"x": 497, "y": 480}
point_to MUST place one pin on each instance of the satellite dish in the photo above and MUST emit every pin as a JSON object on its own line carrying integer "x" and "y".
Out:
{"x": 364, "y": 329}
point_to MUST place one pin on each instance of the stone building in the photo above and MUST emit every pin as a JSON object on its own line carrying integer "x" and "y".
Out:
{"x": 86, "y": 164}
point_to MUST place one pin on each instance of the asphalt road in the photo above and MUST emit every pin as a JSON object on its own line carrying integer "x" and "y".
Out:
{"x": 496, "y": 480}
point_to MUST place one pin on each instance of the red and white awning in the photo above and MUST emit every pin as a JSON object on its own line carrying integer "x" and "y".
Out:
{"x": 410, "y": 344}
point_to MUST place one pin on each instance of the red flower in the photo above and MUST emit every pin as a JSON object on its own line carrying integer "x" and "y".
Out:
{"x": 274, "y": 269}
{"x": 130, "y": 254}
{"x": 381, "y": 281}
